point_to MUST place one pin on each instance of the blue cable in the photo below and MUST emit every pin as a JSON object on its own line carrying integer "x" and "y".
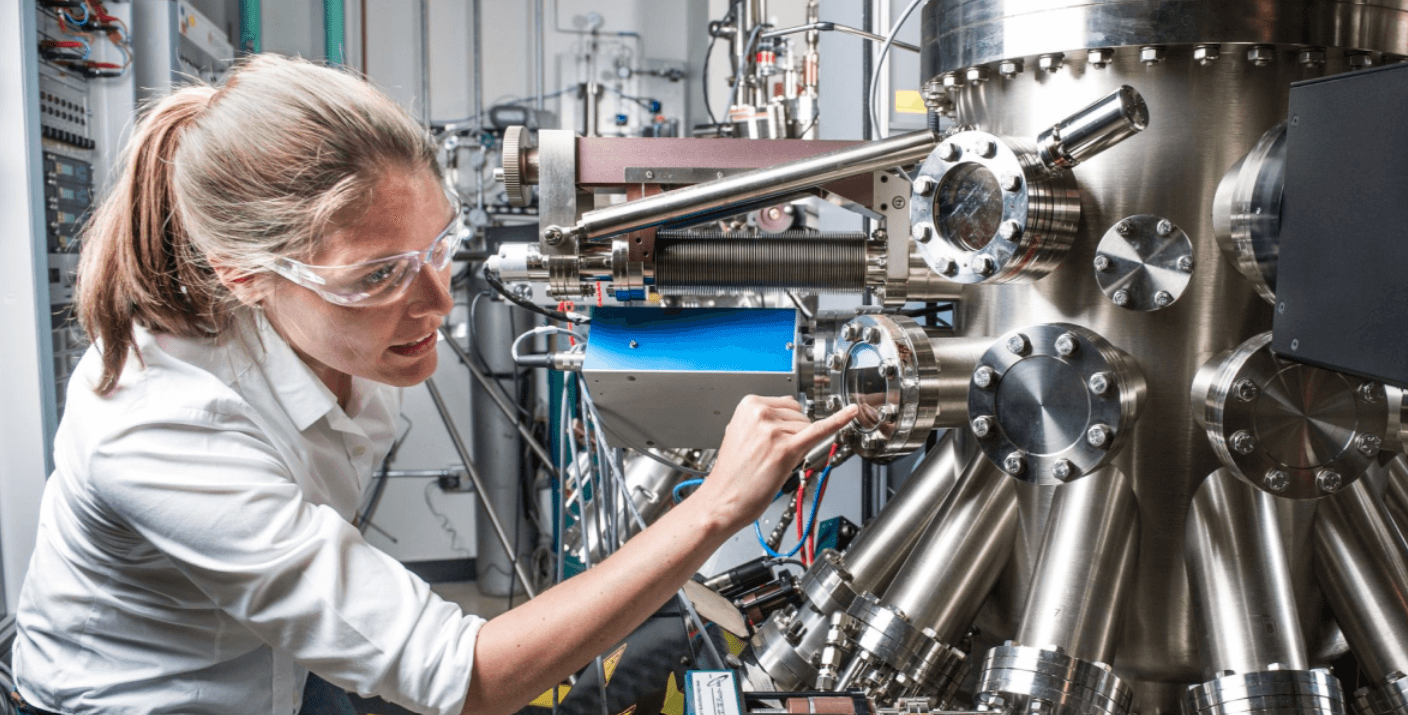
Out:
{"x": 84, "y": 21}
{"x": 684, "y": 484}
{"x": 811, "y": 521}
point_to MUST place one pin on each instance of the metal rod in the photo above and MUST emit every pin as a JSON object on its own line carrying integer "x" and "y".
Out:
{"x": 752, "y": 185}
{"x": 424, "y": 61}
{"x": 479, "y": 486}
{"x": 832, "y": 26}
{"x": 1241, "y": 579}
{"x": 1085, "y": 569}
{"x": 957, "y": 358}
{"x": 491, "y": 387}
{"x": 477, "y": 20}
{"x": 540, "y": 44}
{"x": 1362, "y": 563}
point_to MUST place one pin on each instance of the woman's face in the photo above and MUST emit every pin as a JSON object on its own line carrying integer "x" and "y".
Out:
{"x": 392, "y": 343}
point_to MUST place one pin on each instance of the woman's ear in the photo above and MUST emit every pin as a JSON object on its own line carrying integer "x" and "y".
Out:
{"x": 247, "y": 287}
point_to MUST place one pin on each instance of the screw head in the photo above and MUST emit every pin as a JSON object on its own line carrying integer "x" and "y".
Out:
{"x": 889, "y": 368}
{"x": 1185, "y": 264}
{"x": 898, "y": 202}
{"x": 1277, "y": 480}
{"x": 1009, "y": 230}
{"x": 1312, "y": 57}
{"x": 1359, "y": 60}
{"x": 834, "y": 403}
{"x": 925, "y": 185}
{"x": 1009, "y": 68}
{"x": 1066, "y": 345}
{"x": 1124, "y": 228}
{"x": 871, "y": 335}
{"x": 1014, "y": 464}
{"x": 889, "y": 413}
{"x": 976, "y": 75}
{"x": 879, "y": 235}
{"x": 1099, "y": 58}
{"x": 1051, "y": 62}
{"x": 850, "y": 331}
{"x": 553, "y": 235}
{"x": 1261, "y": 55}
{"x": 982, "y": 426}
{"x": 1102, "y": 263}
{"x": 873, "y": 441}
{"x": 634, "y": 344}
{"x": 922, "y": 233}
{"x": 1018, "y": 344}
{"x": 1151, "y": 55}
{"x": 1163, "y": 299}
{"x": 1099, "y": 436}
{"x": 1063, "y": 469}
{"x": 949, "y": 151}
{"x": 1011, "y": 181}
{"x": 1206, "y": 54}
{"x": 984, "y": 265}
{"x": 1100, "y": 383}
{"x": 1329, "y": 480}
{"x": 985, "y": 148}
{"x": 953, "y": 80}
{"x": 1164, "y": 227}
{"x": 1242, "y": 442}
{"x": 1245, "y": 390}
{"x": 834, "y": 361}
{"x": 948, "y": 267}
{"x": 1369, "y": 444}
{"x": 1121, "y": 297}
{"x": 984, "y": 377}
{"x": 1369, "y": 392}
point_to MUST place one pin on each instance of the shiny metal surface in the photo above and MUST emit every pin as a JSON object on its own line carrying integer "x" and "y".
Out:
{"x": 1085, "y": 570}
{"x": 1294, "y": 430}
{"x": 690, "y": 264}
{"x": 754, "y": 185}
{"x": 1246, "y": 211}
{"x": 885, "y": 364}
{"x": 1105, "y": 123}
{"x": 956, "y": 357}
{"x": 1051, "y": 403}
{"x": 1269, "y": 692}
{"x": 1241, "y": 579}
{"x": 1388, "y": 699}
{"x": 960, "y": 555}
{"x": 1362, "y": 563}
{"x": 1396, "y": 492}
{"x": 1144, "y": 262}
{"x": 1022, "y": 679}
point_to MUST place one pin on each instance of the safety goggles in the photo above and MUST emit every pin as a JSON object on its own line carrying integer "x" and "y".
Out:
{"x": 379, "y": 281}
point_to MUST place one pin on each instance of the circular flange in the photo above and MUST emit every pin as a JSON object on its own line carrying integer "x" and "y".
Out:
{"x": 985, "y": 210}
{"x": 1246, "y": 211}
{"x": 1390, "y": 698}
{"x": 1268, "y": 692}
{"x": 1144, "y": 262}
{"x": 1294, "y": 430}
{"x": 886, "y": 365}
{"x": 515, "y": 153}
{"x": 1053, "y": 402}
{"x": 1023, "y": 676}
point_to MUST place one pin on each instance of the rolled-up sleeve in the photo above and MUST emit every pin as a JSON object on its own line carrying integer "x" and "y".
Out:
{"x": 215, "y": 498}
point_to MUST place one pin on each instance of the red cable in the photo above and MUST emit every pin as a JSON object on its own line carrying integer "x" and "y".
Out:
{"x": 822, "y": 495}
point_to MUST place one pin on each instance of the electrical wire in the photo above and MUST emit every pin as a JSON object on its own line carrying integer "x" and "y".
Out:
{"x": 685, "y": 485}
{"x": 498, "y": 286}
{"x": 882, "y": 132}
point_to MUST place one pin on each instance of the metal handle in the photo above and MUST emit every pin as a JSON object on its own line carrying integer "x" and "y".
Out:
{"x": 1109, "y": 121}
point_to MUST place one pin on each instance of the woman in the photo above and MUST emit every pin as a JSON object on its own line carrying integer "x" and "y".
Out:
{"x": 272, "y": 263}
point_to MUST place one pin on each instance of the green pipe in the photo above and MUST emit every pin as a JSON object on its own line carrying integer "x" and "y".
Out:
{"x": 251, "y": 26}
{"x": 335, "y": 30}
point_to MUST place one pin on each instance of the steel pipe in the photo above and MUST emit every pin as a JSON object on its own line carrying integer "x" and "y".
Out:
{"x": 1362, "y": 564}
{"x": 1085, "y": 569}
{"x": 957, "y": 358}
{"x": 751, "y": 186}
{"x": 491, "y": 388}
{"x": 1241, "y": 581}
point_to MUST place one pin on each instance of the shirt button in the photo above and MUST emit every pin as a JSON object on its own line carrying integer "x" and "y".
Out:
{"x": 358, "y": 451}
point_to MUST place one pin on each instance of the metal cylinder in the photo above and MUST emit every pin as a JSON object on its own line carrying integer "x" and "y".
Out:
{"x": 959, "y": 557}
{"x": 956, "y": 358}
{"x": 1241, "y": 581}
{"x": 686, "y": 264}
{"x": 755, "y": 185}
{"x": 1106, "y": 122}
{"x": 1362, "y": 563}
{"x": 1085, "y": 570}
{"x": 1396, "y": 492}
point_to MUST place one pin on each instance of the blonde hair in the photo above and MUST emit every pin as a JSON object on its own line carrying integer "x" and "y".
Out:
{"x": 236, "y": 175}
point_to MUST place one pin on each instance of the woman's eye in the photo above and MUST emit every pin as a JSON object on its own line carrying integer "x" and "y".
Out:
{"x": 378, "y": 276}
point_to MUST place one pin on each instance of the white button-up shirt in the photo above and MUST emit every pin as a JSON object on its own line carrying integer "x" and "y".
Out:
{"x": 195, "y": 553}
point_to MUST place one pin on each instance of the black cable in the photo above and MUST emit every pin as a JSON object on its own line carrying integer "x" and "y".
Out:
{"x": 707, "y": 54}
{"x": 498, "y": 286}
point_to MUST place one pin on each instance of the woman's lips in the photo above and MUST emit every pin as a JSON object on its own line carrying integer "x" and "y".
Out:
{"x": 419, "y": 347}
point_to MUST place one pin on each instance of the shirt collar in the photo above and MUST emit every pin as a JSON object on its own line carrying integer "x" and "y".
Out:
{"x": 296, "y": 388}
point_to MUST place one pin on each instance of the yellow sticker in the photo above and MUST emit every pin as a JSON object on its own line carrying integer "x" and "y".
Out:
{"x": 609, "y": 665}
{"x": 545, "y": 700}
{"x": 674, "y": 699}
{"x": 909, "y": 101}
{"x": 628, "y": 711}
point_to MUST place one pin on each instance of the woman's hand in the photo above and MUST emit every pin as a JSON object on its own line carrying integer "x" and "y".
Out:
{"x": 764, "y": 442}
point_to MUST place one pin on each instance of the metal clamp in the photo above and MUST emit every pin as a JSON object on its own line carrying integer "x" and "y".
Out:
{"x": 1303, "y": 692}
{"x": 1046, "y": 680}
{"x": 886, "y": 365}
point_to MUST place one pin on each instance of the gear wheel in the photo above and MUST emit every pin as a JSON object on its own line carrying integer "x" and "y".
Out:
{"x": 516, "y": 145}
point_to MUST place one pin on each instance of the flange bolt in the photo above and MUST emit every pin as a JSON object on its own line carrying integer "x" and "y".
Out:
{"x": 1329, "y": 480}
{"x": 1099, "y": 436}
{"x": 1014, "y": 464}
{"x": 984, "y": 377}
{"x": 1369, "y": 444}
{"x": 1277, "y": 480}
{"x": 1100, "y": 382}
{"x": 1243, "y": 442}
{"x": 982, "y": 426}
{"x": 1245, "y": 390}
{"x": 1063, "y": 469}
{"x": 1066, "y": 345}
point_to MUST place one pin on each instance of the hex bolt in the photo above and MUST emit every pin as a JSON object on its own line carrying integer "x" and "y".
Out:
{"x": 976, "y": 75}
{"x": 1121, "y": 298}
{"x": 1011, "y": 181}
{"x": 850, "y": 331}
{"x": 1099, "y": 436}
{"x": 1369, "y": 392}
{"x": 1185, "y": 264}
{"x": 984, "y": 377}
{"x": 1163, "y": 299}
{"x": 1206, "y": 54}
{"x": 984, "y": 265}
{"x": 553, "y": 235}
{"x": 1101, "y": 382}
{"x": 1329, "y": 480}
{"x": 1245, "y": 390}
{"x": 834, "y": 361}
{"x": 1243, "y": 442}
{"x": 871, "y": 335}
{"x": 1009, "y": 68}
{"x": 1151, "y": 54}
{"x": 985, "y": 148}
{"x": 1358, "y": 60}
{"x": 1063, "y": 469}
{"x": 1099, "y": 59}
{"x": 1051, "y": 62}
{"x": 922, "y": 233}
{"x": 834, "y": 403}
{"x": 1018, "y": 344}
{"x": 982, "y": 426}
{"x": 898, "y": 202}
{"x": 949, "y": 151}
{"x": 1009, "y": 230}
{"x": 1277, "y": 480}
{"x": 1067, "y": 344}
{"x": 889, "y": 368}
{"x": 1014, "y": 464}
{"x": 925, "y": 185}
{"x": 873, "y": 441}
{"x": 1312, "y": 57}
{"x": 889, "y": 413}
{"x": 948, "y": 267}
{"x": 953, "y": 80}
{"x": 1124, "y": 228}
{"x": 1102, "y": 263}
{"x": 1369, "y": 444}
{"x": 1164, "y": 227}
{"x": 1261, "y": 55}
{"x": 879, "y": 235}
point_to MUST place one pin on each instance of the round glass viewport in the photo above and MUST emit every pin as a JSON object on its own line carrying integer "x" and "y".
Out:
{"x": 968, "y": 206}
{"x": 864, "y": 384}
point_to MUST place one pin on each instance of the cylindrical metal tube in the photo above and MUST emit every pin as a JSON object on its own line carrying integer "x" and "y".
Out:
{"x": 1240, "y": 578}
{"x": 959, "y": 557}
{"x": 759, "y": 184}
{"x": 1110, "y": 120}
{"x": 1362, "y": 563}
{"x": 957, "y": 358}
{"x": 684, "y": 265}
{"x": 1085, "y": 569}
{"x": 1396, "y": 492}
{"x": 881, "y": 547}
